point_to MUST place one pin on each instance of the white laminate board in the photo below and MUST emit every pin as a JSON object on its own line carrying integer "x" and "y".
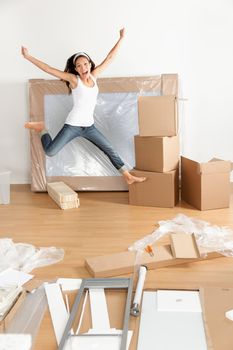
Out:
{"x": 166, "y": 330}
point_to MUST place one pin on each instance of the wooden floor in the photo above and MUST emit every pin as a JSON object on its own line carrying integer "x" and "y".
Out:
{"x": 104, "y": 223}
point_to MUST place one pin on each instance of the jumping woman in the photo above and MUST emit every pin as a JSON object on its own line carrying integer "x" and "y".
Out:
{"x": 80, "y": 75}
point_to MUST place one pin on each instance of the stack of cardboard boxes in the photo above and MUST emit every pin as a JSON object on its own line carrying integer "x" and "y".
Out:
{"x": 156, "y": 153}
{"x": 203, "y": 185}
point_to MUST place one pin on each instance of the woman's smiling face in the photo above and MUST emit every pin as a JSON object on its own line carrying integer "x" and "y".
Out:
{"x": 83, "y": 67}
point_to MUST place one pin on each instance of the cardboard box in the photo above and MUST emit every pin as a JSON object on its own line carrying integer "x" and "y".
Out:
{"x": 124, "y": 262}
{"x": 157, "y": 115}
{"x": 206, "y": 185}
{"x": 158, "y": 154}
{"x": 158, "y": 190}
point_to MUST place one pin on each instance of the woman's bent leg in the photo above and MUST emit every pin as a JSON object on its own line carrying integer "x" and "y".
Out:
{"x": 65, "y": 135}
{"x": 95, "y": 136}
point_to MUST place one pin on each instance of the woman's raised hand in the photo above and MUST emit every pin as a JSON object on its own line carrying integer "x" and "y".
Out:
{"x": 24, "y": 51}
{"x": 122, "y": 32}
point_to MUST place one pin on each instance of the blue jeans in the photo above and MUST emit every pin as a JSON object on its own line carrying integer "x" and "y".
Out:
{"x": 69, "y": 132}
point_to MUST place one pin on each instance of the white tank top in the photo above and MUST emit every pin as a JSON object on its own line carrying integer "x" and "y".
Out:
{"x": 84, "y": 99}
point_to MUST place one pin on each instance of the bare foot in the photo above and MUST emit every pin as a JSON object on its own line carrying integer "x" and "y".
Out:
{"x": 130, "y": 179}
{"x": 36, "y": 126}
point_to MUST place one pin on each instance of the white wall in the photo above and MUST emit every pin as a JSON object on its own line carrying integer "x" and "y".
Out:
{"x": 192, "y": 38}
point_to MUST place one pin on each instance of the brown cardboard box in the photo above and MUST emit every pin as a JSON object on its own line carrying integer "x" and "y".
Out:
{"x": 117, "y": 264}
{"x": 159, "y": 154}
{"x": 157, "y": 115}
{"x": 205, "y": 185}
{"x": 158, "y": 190}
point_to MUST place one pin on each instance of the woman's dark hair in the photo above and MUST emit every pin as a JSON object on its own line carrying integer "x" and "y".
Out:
{"x": 70, "y": 66}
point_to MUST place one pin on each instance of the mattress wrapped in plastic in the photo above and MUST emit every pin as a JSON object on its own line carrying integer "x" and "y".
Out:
{"x": 80, "y": 164}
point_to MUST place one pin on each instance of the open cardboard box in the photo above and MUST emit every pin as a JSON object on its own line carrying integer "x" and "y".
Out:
{"x": 206, "y": 185}
{"x": 183, "y": 249}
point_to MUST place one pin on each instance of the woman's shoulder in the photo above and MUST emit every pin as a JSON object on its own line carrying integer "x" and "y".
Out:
{"x": 75, "y": 81}
{"x": 93, "y": 77}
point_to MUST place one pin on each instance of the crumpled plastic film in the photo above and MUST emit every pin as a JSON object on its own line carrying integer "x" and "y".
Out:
{"x": 26, "y": 257}
{"x": 213, "y": 237}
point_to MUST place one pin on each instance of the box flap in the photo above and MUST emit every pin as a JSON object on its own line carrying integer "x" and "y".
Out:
{"x": 184, "y": 245}
{"x": 215, "y": 166}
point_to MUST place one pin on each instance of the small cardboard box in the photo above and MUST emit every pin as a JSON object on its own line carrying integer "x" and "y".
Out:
{"x": 158, "y": 190}
{"x": 158, "y": 154}
{"x": 157, "y": 115}
{"x": 206, "y": 185}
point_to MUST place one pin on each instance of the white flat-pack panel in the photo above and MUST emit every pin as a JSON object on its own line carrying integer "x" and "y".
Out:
{"x": 178, "y": 300}
{"x": 105, "y": 342}
{"x": 166, "y": 330}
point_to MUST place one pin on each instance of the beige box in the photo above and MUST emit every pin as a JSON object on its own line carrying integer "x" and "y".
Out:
{"x": 159, "y": 154}
{"x": 183, "y": 249}
{"x": 158, "y": 190}
{"x": 206, "y": 185}
{"x": 184, "y": 246}
{"x": 157, "y": 115}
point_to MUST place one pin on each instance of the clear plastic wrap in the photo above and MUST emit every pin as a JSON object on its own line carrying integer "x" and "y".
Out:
{"x": 29, "y": 316}
{"x": 81, "y": 164}
{"x": 213, "y": 237}
{"x": 26, "y": 257}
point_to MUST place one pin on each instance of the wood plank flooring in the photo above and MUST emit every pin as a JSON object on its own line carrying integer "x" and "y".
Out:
{"x": 104, "y": 223}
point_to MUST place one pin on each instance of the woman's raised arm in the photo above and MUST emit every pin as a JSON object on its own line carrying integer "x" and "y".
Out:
{"x": 110, "y": 56}
{"x": 48, "y": 69}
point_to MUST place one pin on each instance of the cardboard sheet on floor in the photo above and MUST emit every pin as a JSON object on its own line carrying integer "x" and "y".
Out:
{"x": 80, "y": 164}
{"x": 124, "y": 262}
{"x": 215, "y": 302}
